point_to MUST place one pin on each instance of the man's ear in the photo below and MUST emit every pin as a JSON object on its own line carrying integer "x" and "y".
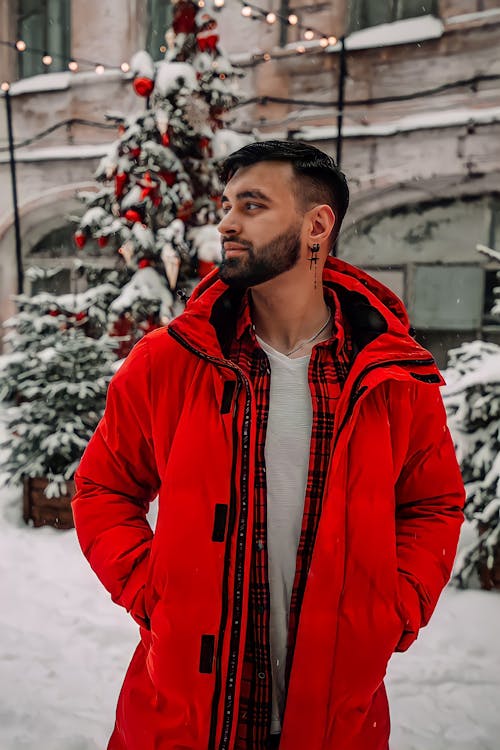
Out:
{"x": 321, "y": 224}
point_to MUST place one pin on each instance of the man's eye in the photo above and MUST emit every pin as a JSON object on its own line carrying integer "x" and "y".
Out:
{"x": 255, "y": 205}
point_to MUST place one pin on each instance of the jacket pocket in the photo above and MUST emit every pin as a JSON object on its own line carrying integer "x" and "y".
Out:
{"x": 408, "y": 606}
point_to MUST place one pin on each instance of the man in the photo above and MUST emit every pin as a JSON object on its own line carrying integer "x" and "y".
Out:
{"x": 309, "y": 497}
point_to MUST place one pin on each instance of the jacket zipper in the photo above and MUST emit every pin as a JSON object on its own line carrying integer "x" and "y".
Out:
{"x": 357, "y": 392}
{"x": 239, "y": 562}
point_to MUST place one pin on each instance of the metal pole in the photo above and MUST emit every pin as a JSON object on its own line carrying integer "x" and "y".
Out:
{"x": 341, "y": 97}
{"x": 284, "y": 11}
{"x": 340, "y": 116}
{"x": 17, "y": 229}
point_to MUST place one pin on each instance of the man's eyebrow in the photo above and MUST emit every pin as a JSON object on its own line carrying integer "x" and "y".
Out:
{"x": 249, "y": 194}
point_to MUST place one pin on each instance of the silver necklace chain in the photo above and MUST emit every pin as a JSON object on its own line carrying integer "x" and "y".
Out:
{"x": 304, "y": 343}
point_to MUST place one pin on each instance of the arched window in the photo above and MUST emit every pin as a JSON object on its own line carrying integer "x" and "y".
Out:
{"x": 45, "y": 26}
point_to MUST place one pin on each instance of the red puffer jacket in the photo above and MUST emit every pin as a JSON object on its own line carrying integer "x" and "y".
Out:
{"x": 180, "y": 421}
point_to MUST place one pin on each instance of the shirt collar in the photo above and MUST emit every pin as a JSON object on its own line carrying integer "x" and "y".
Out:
{"x": 244, "y": 323}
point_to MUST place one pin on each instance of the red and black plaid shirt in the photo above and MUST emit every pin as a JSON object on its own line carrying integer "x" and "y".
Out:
{"x": 328, "y": 369}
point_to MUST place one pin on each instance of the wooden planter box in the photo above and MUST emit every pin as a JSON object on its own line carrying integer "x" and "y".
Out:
{"x": 489, "y": 576}
{"x": 47, "y": 511}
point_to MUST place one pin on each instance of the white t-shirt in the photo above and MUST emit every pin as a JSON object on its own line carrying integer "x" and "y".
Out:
{"x": 287, "y": 450}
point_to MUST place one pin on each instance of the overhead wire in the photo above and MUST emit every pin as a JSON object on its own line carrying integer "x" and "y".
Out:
{"x": 268, "y": 99}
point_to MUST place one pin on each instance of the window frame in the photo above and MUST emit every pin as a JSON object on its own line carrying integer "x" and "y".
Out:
{"x": 160, "y": 16}
{"x": 394, "y": 12}
{"x": 30, "y": 62}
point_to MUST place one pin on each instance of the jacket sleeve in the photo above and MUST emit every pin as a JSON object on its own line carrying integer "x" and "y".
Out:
{"x": 115, "y": 482}
{"x": 429, "y": 512}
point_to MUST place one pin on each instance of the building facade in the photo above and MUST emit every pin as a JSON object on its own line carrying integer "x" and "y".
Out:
{"x": 406, "y": 93}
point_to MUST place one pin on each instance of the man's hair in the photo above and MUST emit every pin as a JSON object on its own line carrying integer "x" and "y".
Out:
{"x": 318, "y": 179}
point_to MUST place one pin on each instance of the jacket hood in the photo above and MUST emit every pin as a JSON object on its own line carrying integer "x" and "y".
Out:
{"x": 373, "y": 311}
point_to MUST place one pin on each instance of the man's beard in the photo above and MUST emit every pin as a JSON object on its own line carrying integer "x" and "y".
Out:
{"x": 256, "y": 265}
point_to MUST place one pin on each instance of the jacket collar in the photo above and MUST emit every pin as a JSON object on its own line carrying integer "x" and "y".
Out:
{"x": 215, "y": 313}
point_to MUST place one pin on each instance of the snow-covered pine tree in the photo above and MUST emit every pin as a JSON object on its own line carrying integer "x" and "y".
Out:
{"x": 61, "y": 395}
{"x": 39, "y": 319}
{"x": 159, "y": 200}
{"x": 472, "y": 399}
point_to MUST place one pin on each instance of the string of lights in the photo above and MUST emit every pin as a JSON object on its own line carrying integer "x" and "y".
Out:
{"x": 267, "y": 99}
{"x": 249, "y": 10}
{"x": 73, "y": 63}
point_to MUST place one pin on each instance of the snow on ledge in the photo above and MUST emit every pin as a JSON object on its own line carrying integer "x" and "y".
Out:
{"x": 60, "y": 81}
{"x": 399, "y": 32}
{"x": 57, "y": 153}
{"x": 480, "y": 15}
{"x": 407, "y": 31}
{"x": 422, "y": 121}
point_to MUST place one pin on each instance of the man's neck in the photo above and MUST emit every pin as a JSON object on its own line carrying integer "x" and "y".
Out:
{"x": 286, "y": 316}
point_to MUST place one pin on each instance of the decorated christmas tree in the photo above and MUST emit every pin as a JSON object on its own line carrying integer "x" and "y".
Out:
{"x": 472, "y": 399}
{"x": 158, "y": 204}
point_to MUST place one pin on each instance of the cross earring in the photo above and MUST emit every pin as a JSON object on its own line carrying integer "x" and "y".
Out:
{"x": 314, "y": 259}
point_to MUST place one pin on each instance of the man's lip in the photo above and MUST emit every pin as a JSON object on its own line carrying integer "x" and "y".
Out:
{"x": 233, "y": 246}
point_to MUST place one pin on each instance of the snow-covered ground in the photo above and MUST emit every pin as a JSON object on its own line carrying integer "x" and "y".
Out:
{"x": 64, "y": 649}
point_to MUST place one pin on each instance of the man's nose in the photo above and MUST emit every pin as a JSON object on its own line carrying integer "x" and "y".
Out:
{"x": 228, "y": 225}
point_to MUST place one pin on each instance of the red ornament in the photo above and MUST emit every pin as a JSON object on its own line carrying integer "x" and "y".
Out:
{"x": 185, "y": 210}
{"x": 124, "y": 328}
{"x": 165, "y": 139}
{"x": 205, "y": 145}
{"x": 144, "y": 263}
{"x": 169, "y": 177}
{"x": 80, "y": 239}
{"x": 207, "y": 37}
{"x": 135, "y": 152}
{"x": 204, "y": 268}
{"x": 81, "y": 316}
{"x": 102, "y": 241}
{"x": 132, "y": 215}
{"x": 184, "y": 17}
{"x": 148, "y": 186}
{"x": 54, "y": 313}
{"x": 143, "y": 86}
{"x": 120, "y": 181}
{"x": 121, "y": 129}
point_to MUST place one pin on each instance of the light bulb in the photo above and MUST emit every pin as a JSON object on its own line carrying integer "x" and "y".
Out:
{"x": 266, "y": 56}
{"x": 301, "y": 49}
{"x": 73, "y": 65}
{"x": 293, "y": 19}
{"x": 219, "y": 3}
{"x": 47, "y": 60}
{"x": 201, "y": 3}
{"x": 125, "y": 67}
{"x": 99, "y": 69}
{"x": 163, "y": 49}
{"x": 332, "y": 40}
{"x": 323, "y": 42}
{"x": 246, "y": 11}
{"x": 308, "y": 34}
{"x": 20, "y": 45}
{"x": 271, "y": 18}
{"x": 5, "y": 86}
